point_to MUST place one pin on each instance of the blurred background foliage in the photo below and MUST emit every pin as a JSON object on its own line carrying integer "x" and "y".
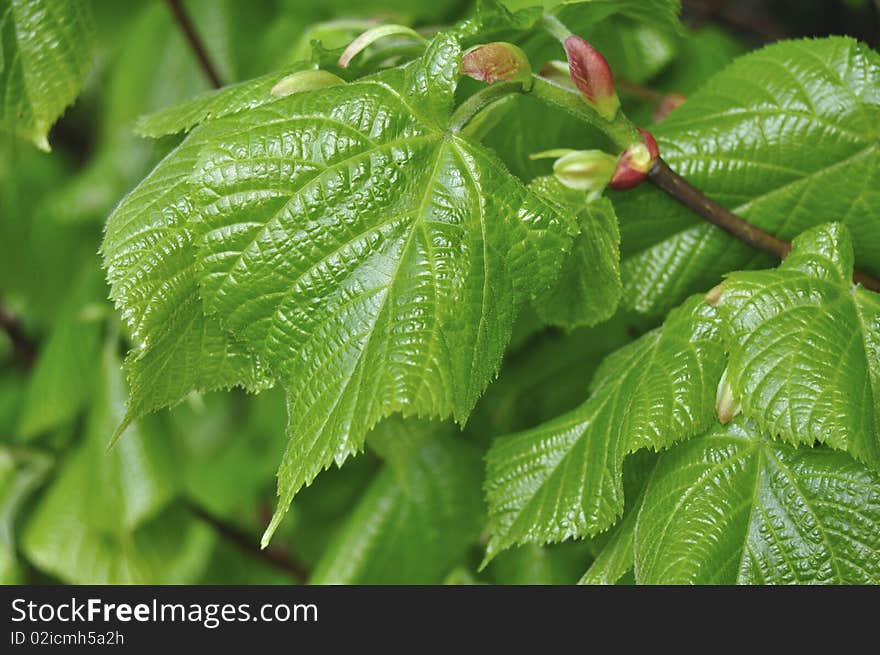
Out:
{"x": 186, "y": 493}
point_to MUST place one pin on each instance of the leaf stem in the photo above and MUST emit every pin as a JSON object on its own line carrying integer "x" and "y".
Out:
{"x": 250, "y": 545}
{"x": 481, "y": 100}
{"x": 555, "y": 27}
{"x": 621, "y": 131}
{"x": 676, "y": 186}
{"x": 195, "y": 43}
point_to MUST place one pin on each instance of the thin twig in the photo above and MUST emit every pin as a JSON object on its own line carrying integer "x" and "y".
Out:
{"x": 192, "y": 37}
{"x": 680, "y": 189}
{"x": 249, "y": 544}
{"x": 25, "y": 351}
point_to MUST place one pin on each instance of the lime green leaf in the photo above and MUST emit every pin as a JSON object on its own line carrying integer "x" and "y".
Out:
{"x": 701, "y": 54}
{"x": 563, "y": 479}
{"x": 21, "y": 472}
{"x": 170, "y": 549}
{"x": 805, "y": 347}
{"x": 414, "y": 534}
{"x": 767, "y": 137}
{"x": 637, "y": 37}
{"x": 549, "y": 374}
{"x": 493, "y": 15}
{"x": 615, "y": 559}
{"x": 218, "y": 438}
{"x": 588, "y": 288}
{"x": 86, "y": 527}
{"x": 64, "y": 377}
{"x": 397, "y": 440}
{"x": 531, "y": 564}
{"x": 212, "y": 105}
{"x": 462, "y": 576}
{"x": 379, "y": 269}
{"x": 733, "y": 506}
{"x": 636, "y": 48}
{"x": 148, "y": 254}
{"x": 343, "y": 239}
{"x": 614, "y": 550}
{"x": 45, "y": 53}
{"x": 661, "y": 12}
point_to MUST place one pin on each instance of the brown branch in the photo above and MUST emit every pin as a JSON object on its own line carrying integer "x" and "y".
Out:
{"x": 677, "y": 187}
{"x": 24, "y": 350}
{"x": 249, "y": 544}
{"x": 195, "y": 43}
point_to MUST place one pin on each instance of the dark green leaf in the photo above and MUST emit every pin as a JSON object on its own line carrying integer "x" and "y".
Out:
{"x": 411, "y": 534}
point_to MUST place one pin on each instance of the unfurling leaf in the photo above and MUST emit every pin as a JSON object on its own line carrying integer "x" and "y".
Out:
{"x": 592, "y": 76}
{"x": 497, "y": 62}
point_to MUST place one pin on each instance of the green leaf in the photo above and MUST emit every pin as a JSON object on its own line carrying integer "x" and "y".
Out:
{"x": 526, "y": 126}
{"x": 661, "y": 12}
{"x": 45, "y": 53}
{"x": 151, "y": 268}
{"x": 64, "y": 376}
{"x": 805, "y": 347}
{"x": 636, "y": 48}
{"x": 767, "y": 138}
{"x": 733, "y": 506}
{"x": 21, "y": 472}
{"x": 562, "y": 479}
{"x": 91, "y": 526}
{"x": 397, "y": 440}
{"x": 637, "y": 37}
{"x": 701, "y": 54}
{"x": 532, "y": 564}
{"x": 171, "y": 549}
{"x": 218, "y": 438}
{"x": 588, "y": 288}
{"x": 380, "y": 268}
{"x": 413, "y": 534}
{"x": 549, "y": 374}
{"x": 344, "y": 239}
{"x": 212, "y": 105}
{"x": 615, "y": 557}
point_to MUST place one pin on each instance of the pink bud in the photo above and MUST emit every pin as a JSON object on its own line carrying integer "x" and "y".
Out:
{"x": 498, "y": 61}
{"x": 669, "y": 103}
{"x": 591, "y": 75}
{"x": 635, "y": 163}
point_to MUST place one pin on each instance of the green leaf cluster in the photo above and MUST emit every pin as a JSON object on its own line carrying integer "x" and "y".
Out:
{"x": 539, "y": 385}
